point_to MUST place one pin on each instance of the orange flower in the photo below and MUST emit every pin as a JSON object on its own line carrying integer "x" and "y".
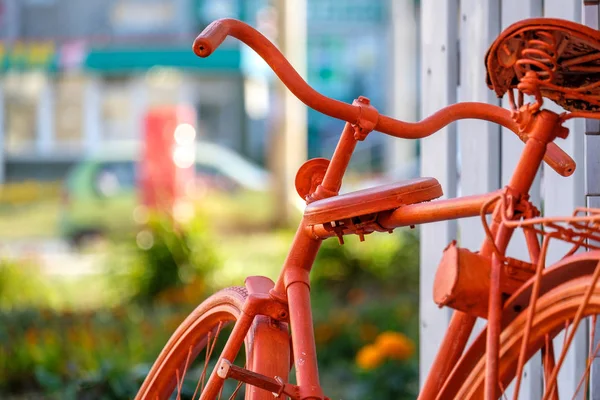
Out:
{"x": 369, "y": 357}
{"x": 395, "y": 345}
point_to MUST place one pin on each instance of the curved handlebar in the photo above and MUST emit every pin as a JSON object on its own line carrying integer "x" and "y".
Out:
{"x": 214, "y": 34}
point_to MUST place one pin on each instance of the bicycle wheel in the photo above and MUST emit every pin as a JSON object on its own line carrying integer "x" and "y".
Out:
{"x": 185, "y": 363}
{"x": 553, "y": 314}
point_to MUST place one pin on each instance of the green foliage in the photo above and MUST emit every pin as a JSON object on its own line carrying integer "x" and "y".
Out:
{"x": 85, "y": 354}
{"x": 359, "y": 291}
{"x": 21, "y": 284}
{"x": 387, "y": 261}
{"x": 167, "y": 255}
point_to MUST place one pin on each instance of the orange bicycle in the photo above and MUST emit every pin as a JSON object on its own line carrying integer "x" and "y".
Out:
{"x": 526, "y": 303}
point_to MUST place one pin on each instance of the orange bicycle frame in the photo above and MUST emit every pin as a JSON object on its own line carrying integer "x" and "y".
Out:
{"x": 536, "y": 128}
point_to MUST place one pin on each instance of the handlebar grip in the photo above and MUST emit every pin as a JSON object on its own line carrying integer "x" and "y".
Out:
{"x": 211, "y": 37}
{"x": 559, "y": 161}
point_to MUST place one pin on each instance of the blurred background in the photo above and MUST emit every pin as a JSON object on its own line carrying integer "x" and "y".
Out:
{"x": 136, "y": 179}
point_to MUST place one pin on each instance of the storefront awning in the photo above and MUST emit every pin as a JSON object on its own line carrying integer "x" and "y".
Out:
{"x": 113, "y": 60}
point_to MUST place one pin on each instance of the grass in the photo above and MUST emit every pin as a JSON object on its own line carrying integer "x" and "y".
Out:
{"x": 24, "y": 284}
{"x": 33, "y": 220}
{"x": 229, "y": 212}
{"x": 242, "y": 255}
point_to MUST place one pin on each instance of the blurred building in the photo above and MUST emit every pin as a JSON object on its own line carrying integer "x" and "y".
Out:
{"x": 76, "y": 74}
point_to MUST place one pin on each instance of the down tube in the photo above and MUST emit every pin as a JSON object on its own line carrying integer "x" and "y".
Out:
{"x": 303, "y": 341}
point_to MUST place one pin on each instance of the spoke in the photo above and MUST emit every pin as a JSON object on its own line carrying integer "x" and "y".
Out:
{"x": 592, "y": 339}
{"x": 503, "y": 389}
{"x": 549, "y": 362}
{"x": 578, "y": 316}
{"x": 187, "y": 362}
{"x": 566, "y": 333}
{"x": 535, "y": 292}
{"x": 237, "y": 389}
{"x": 203, "y": 374}
{"x": 586, "y": 375}
{"x": 178, "y": 384}
{"x": 209, "y": 349}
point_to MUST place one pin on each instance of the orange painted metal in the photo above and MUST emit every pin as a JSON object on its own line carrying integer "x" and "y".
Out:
{"x": 309, "y": 176}
{"x": 266, "y": 333}
{"x": 216, "y": 32}
{"x": 462, "y": 280}
{"x": 540, "y": 57}
{"x": 558, "y": 51}
{"x": 372, "y": 200}
{"x": 569, "y": 269}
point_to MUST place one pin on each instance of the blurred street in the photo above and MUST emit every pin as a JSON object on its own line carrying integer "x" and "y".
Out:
{"x": 55, "y": 256}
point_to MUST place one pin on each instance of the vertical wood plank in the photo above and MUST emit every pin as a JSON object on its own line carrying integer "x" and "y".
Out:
{"x": 594, "y": 201}
{"x": 561, "y": 195}
{"x": 513, "y": 11}
{"x": 438, "y": 84}
{"x": 478, "y": 141}
{"x": 403, "y": 96}
{"x": 591, "y": 17}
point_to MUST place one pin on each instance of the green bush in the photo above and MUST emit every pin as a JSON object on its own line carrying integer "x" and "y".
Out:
{"x": 359, "y": 292}
{"x": 164, "y": 257}
{"x": 21, "y": 285}
{"x": 84, "y": 354}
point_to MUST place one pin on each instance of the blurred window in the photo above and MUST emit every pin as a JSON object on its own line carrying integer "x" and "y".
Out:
{"x": 164, "y": 86}
{"x": 22, "y": 92}
{"x": 69, "y": 108}
{"x": 114, "y": 178}
{"x": 116, "y": 108}
{"x": 143, "y": 16}
{"x": 210, "y": 121}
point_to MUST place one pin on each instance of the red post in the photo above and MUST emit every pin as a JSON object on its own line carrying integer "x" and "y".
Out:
{"x": 168, "y": 157}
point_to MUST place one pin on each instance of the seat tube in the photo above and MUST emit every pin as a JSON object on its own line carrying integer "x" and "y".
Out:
{"x": 303, "y": 341}
{"x": 542, "y": 132}
{"x": 295, "y": 282}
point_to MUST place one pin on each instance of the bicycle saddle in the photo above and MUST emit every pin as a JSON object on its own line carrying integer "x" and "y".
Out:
{"x": 564, "y": 55}
{"x": 372, "y": 200}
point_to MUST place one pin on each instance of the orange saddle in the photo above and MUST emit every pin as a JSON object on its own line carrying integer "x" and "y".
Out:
{"x": 564, "y": 54}
{"x": 372, "y": 200}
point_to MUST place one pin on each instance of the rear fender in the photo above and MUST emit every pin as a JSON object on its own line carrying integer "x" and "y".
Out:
{"x": 567, "y": 269}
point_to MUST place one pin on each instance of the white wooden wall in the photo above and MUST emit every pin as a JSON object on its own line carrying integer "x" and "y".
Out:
{"x": 473, "y": 157}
